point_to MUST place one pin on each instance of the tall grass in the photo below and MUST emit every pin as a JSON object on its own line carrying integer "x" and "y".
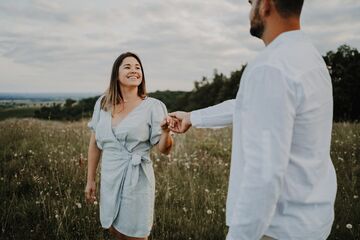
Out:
{"x": 43, "y": 172}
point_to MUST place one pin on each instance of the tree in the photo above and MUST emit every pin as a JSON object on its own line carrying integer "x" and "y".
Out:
{"x": 344, "y": 68}
{"x": 69, "y": 102}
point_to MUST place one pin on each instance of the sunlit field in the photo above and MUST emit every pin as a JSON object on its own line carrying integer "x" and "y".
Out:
{"x": 43, "y": 173}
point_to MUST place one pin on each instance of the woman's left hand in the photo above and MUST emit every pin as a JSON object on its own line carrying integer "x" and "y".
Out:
{"x": 166, "y": 123}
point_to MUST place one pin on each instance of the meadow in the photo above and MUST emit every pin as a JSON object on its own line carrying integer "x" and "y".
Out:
{"x": 43, "y": 173}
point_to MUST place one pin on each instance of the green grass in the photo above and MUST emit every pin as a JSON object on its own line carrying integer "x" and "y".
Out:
{"x": 43, "y": 172}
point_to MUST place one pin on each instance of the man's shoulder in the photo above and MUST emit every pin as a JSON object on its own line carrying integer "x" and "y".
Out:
{"x": 291, "y": 58}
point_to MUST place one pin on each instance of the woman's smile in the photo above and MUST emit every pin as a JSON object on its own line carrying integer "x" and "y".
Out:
{"x": 133, "y": 77}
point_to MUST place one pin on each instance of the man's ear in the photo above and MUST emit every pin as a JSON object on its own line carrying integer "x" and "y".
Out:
{"x": 266, "y": 8}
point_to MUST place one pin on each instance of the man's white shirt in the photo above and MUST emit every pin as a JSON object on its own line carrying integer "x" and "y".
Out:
{"x": 282, "y": 181}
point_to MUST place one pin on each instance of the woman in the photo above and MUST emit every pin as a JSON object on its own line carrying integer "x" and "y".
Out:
{"x": 126, "y": 124}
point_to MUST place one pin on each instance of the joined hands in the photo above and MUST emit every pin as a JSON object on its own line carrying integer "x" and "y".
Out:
{"x": 178, "y": 122}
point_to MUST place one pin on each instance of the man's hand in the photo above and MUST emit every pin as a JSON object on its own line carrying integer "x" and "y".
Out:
{"x": 181, "y": 121}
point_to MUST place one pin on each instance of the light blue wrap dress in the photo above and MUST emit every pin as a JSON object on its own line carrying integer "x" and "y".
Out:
{"x": 127, "y": 183}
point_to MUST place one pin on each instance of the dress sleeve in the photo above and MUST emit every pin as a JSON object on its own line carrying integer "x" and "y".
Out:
{"x": 158, "y": 113}
{"x": 96, "y": 116}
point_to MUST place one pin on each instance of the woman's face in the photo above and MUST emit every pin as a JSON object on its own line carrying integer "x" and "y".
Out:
{"x": 130, "y": 74}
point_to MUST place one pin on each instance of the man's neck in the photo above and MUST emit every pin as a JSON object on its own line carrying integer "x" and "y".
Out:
{"x": 277, "y": 26}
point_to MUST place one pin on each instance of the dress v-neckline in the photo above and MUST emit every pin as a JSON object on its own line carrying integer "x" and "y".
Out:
{"x": 117, "y": 124}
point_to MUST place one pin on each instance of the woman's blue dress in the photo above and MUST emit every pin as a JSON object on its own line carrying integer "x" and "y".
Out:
{"x": 127, "y": 183}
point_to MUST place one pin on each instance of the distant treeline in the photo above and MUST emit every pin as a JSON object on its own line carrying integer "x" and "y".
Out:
{"x": 343, "y": 65}
{"x": 70, "y": 110}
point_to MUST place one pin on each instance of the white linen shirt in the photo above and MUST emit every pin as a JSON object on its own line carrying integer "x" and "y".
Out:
{"x": 282, "y": 181}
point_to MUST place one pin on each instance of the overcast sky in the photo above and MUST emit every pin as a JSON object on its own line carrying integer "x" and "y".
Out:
{"x": 70, "y": 46}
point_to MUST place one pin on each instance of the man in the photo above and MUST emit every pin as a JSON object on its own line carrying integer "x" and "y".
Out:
{"x": 282, "y": 181}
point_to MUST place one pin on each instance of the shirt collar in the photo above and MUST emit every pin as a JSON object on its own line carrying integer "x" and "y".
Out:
{"x": 286, "y": 36}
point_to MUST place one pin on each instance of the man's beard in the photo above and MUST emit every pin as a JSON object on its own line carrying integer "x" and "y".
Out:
{"x": 257, "y": 30}
{"x": 257, "y": 26}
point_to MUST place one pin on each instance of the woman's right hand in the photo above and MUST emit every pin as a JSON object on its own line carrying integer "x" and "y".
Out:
{"x": 90, "y": 192}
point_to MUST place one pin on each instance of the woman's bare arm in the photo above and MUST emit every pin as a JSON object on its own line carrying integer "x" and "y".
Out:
{"x": 93, "y": 160}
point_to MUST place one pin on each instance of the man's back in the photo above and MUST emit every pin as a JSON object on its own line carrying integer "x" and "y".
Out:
{"x": 305, "y": 206}
{"x": 282, "y": 181}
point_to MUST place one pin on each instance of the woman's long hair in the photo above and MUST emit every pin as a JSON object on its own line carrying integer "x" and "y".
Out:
{"x": 113, "y": 94}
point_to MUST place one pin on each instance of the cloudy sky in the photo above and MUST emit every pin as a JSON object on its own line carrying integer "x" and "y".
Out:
{"x": 70, "y": 46}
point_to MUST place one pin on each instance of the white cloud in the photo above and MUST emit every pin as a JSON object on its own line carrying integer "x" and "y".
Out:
{"x": 71, "y": 45}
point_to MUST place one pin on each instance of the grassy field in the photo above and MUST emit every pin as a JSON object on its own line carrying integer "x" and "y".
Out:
{"x": 42, "y": 179}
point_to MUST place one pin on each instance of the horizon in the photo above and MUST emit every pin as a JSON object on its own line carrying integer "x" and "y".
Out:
{"x": 178, "y": 42}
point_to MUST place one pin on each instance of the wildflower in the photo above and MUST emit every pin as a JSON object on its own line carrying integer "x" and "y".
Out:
{"x": 207, "y": 190}
{"x": 209, "y": 211}
{"x": 348, "y": 226}
{"x": 185, "y": 209}
{"x": 356, "y": 196}
{"x": 95, "y": 203}
{"x": 56, "y": 216}
{"x": 78, "y": 205}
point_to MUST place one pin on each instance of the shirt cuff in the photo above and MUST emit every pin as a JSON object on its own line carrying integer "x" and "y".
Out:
{"x": 195, "y": 118}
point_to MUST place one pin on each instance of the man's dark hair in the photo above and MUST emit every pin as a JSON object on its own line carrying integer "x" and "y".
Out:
{"x": 289, "y": 8}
